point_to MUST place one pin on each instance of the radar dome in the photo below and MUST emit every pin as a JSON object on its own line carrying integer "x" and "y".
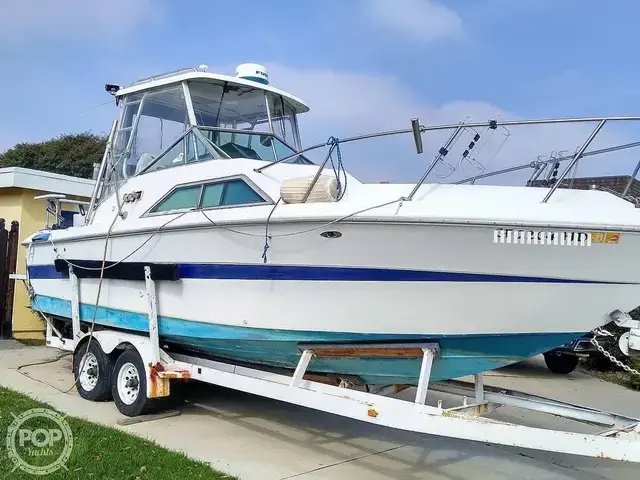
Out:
{"x": 254, "y": 72}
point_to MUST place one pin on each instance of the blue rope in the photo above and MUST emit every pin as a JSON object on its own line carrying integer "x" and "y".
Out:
{"x": 267, "y": 237}
{"x": 338, "y": 167}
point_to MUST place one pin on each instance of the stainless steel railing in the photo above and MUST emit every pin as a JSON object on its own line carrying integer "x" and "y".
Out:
{"x": 493, "y": 124}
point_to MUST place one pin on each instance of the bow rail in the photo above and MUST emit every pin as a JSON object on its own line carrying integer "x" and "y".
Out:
{"x": 417, "y": 130}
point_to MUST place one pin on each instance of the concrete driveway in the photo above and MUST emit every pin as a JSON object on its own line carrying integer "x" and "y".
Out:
{"x": 10, "y": 344}
{"x": 257, "y": 438}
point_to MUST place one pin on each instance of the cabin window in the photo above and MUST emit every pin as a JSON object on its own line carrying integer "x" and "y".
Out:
{"x": 229, "y": 193}
{"x": 180, "y": 199}
{"x": 212, "y": 195}
{"x": 224, "y": 193}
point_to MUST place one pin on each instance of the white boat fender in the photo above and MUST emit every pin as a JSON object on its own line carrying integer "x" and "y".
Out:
{"x": 293, "y": 190}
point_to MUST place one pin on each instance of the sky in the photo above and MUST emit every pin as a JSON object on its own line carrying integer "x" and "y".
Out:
{"x": 361, "y": 65}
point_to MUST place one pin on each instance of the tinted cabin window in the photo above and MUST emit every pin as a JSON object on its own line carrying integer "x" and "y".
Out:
{"x": 237, "y": 192}
{"x": 231, "y": 192}
{"x": 212, "y": 195}
{"x": 219, "y": 194}
{"x": 181, "y": 198}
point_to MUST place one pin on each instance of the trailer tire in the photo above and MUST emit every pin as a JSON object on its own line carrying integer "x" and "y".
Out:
{"x": 129, "y": 385}
{"x": 560, "y": 363}
{"x": 93, "y": 371}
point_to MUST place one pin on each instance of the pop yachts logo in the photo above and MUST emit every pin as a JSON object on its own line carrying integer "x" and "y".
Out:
{"x": 39, "y": 441}
{"x": 542, "y": 237}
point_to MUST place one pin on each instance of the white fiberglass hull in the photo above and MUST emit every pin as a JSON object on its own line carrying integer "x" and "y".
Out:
{"x": 377, "y": 281}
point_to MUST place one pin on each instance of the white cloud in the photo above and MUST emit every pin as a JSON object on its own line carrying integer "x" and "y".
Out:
{"x": 22, "y": 21}
{"x": 423, "y": 20}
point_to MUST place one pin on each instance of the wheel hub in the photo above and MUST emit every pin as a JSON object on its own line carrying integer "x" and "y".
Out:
{"x": 89, "y": 372}
{"x": 128, "y": 383}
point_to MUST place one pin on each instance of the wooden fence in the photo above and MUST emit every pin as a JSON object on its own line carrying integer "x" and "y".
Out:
{"x": 8, "y": 261}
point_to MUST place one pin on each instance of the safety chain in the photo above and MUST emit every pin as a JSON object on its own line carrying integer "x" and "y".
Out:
{"x": 613, "y": 359}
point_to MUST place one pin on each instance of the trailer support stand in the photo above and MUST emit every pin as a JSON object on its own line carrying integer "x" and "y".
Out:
{"x": 301, "y": 368}
{"x": 75, "y": 306}
{"x": 153, "y": 316}
{"x": 479, "y": 387}
{"x": 425, "y": 373}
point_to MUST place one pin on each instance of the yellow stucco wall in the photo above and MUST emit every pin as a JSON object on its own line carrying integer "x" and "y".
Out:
{"x": 26, "y": 322}
{"x": 18, "y": 204}
{"x": 10, "y": 204}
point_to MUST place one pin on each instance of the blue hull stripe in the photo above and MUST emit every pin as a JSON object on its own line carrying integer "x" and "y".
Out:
{"x": 226, "y": 271}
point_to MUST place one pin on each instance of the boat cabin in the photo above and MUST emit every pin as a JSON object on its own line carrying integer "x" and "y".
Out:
{"x": 193, "y": 116}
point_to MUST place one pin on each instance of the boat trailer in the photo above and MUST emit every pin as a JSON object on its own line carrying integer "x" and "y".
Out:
{"x": 619, "y": 439}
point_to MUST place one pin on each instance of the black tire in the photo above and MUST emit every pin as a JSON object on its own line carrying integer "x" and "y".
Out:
{"x": 95, "y": 383}
{"x": 559, "y": 363}
{"x": 129, "y": 375}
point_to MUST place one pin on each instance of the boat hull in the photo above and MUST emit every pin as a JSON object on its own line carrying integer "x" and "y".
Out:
{"x": 487, "y": 302}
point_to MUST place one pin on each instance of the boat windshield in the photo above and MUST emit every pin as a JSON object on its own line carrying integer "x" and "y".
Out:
{"x": 202, "y": 144}
{"x": 232, "y": 120}
{"x": 239, "y": 107}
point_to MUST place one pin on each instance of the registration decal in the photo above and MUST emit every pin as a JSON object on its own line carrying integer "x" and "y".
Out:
{"x": 545, "y": 237}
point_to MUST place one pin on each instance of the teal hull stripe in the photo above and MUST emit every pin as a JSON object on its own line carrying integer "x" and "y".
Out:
{"x": 460, "y": 354}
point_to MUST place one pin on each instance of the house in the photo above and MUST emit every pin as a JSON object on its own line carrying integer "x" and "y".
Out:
{"x": 21, "y": 212}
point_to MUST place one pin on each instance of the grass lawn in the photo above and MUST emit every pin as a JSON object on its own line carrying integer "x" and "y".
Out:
{"x": 99, "y": 452}
{"x": 32, "y": 342}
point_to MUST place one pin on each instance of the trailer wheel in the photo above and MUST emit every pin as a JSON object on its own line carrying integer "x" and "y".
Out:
{"x": 129, "y": 385}
{"x": 93, "y": 371}
{"x": 559, "y": 363}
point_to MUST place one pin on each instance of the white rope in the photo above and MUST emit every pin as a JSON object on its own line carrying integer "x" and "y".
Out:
{"x": 301, "y": 232}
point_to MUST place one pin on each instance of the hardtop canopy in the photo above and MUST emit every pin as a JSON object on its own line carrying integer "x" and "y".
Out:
{"x": 214, "y": 78}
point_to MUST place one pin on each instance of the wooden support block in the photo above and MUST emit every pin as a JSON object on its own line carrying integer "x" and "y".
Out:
{"x": 404, "y": 350}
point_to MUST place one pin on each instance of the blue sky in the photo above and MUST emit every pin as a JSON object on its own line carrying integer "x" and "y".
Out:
{"x": 362, "y": 65}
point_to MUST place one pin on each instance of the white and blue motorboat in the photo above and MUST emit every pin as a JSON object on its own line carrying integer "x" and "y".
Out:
{"x": 256, "y": 250}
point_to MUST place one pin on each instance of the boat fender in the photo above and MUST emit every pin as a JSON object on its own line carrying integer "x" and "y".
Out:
{"x": 293, "y": 190}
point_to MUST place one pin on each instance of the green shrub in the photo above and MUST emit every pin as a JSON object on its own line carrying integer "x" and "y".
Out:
{"x": 634, "y": 380}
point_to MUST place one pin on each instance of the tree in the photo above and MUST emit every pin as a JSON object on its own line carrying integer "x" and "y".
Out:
{"x": 71, "y": 154}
